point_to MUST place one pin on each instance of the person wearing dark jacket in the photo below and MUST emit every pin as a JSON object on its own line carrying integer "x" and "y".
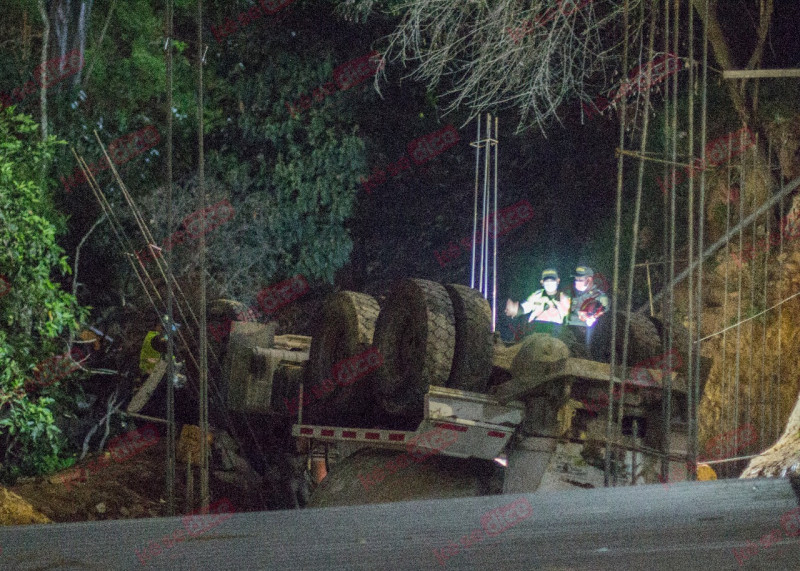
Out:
{"x": 589, "y": 303}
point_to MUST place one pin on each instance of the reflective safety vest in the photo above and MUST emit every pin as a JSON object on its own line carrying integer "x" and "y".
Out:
{"x": 542, "y": 307}
{"x": 149, "y": 357}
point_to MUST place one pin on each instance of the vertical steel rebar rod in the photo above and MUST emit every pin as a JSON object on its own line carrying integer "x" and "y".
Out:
{"x": 751, "y": 367}
{"x": 778, "y": 375}
{"x": 486, "y": 209}
{"x": 667, "y": 392}
{"x": 691, "y": 405}
{"x": 701, "y": 229}
{"x": 494, "y": 233}
{"x": 762, "y": 386}
{"x": 637, "y": 209}
{"x": 204, "y": 450}
{"x": 475, "y": 204}
{"x": 736, "y": 415}
{"x": 170, "y": 476}
{"x": 484, "y": 206}
{"x": 725, "y": 411}
{"x": 665, "y": 307}
{"x": 615, "y": 279}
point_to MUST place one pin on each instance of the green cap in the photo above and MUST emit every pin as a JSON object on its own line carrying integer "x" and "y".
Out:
{"x": 584, "y": 271}
{"x": 550, "y": 274}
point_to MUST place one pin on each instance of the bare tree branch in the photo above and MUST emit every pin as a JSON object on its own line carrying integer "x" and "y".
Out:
{"x": 112, "y": 406}
{"x": 45, "y": 44}
{"x": 506, "y": 54}
{"x": 78, "y": 254}
{"x": 99, "y": 43}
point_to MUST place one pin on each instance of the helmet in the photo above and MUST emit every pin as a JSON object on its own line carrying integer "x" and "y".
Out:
{"x": 550, "y": 274}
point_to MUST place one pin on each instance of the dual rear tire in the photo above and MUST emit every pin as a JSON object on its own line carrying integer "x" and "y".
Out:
{"x": 426, "y": 334}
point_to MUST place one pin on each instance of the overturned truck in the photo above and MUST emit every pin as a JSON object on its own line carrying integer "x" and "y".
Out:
{"x": 419, "y": 399}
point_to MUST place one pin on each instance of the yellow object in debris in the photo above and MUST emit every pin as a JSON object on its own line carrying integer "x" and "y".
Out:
{"x": 149, "y": 356}
{"x": 89, "y": 335}
{"x": 189, "y": 444}
{"x": 705, "y": 473}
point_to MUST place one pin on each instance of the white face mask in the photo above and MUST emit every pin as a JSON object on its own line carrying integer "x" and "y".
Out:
{"x": 550, "y": 287}
{"x": 581, "y": 286}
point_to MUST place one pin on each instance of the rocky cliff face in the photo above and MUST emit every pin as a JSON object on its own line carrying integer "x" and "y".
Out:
{"x": 757, "y": 365}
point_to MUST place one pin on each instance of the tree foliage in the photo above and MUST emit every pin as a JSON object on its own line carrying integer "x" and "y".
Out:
{"x": 36, "y": 315}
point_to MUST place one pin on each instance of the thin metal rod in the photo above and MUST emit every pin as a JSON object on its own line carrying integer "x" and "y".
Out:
{"x": 725, "y": 460}
{"x": 150, "y": 418}
{"x": 751, "y": 368}
{"x": 691, "y": 405}
{"x": 488, "y": 190}
{"x": 759, "y": 73}
{"x": 615, "y": 277}
{"x": 485, "y": 206}
{"x": 475, "y": 205}
{"x": 777, "y": 376}
{"x": 724, "y": 412}
{"x": 762, "y": 385}
{"x": 171, "y": 468}
{"x": 204, "y": 450}
{"x": 701, "y": 229}
{"x": 736, "y": 415}
{"x": 643, "y": 156}
{"x": 759, "y": 314}
{"x": 766, "y": 205}
{"x": 494, "y": 234}
{"x": 637, "y": 209}
{"x": 669, "y": 314}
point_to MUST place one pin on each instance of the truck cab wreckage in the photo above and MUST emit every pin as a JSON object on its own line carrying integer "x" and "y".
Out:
{"x": 419, "y": 399}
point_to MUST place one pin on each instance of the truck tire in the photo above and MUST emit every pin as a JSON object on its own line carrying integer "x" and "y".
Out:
{"x": 346, "y": 330}
{"x": 472, "y": 358}
{"x": 415, "y": 334}
{"x": 644, "y": 342}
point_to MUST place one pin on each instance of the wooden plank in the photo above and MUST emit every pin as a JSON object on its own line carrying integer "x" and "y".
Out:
{"x": 140, "y": 398}
{"x": 302, "y": 342}
{"x": 759, "y": 73}
{"x": 287, "y": 355}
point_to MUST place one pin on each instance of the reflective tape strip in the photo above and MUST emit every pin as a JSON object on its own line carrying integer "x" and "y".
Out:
{"x": 395, "y": 437}
{"x": 451, "y": 427}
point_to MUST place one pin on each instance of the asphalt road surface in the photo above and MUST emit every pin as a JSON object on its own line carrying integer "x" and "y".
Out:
{"x": 693, "y": 526}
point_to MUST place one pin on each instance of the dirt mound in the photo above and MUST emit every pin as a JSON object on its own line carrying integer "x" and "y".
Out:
{"x": 16, "y": 511}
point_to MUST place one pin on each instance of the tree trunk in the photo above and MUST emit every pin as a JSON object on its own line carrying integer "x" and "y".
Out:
{"x": 45, "y": 44}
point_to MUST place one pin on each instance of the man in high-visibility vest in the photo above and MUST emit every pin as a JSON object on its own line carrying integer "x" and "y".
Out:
{"x": 154, "y": 349}
{"x": 154, "y": 345}
{"x": 548, "y": 307}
